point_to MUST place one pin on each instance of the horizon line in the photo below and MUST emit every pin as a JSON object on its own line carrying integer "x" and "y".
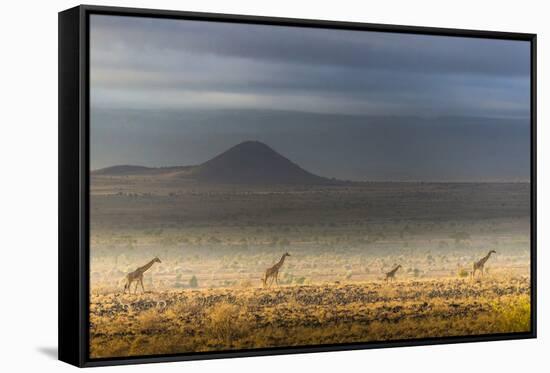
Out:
{"x": 419, "y": 181}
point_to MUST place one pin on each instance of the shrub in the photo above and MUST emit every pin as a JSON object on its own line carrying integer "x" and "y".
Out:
{"x": 463, "y": 272}
{"x": 283, "y": 242}
{"x": 246, "y": 283}
{"x": 194, "y": 283}
{"x": 149, "y": 319}
{"x": 460, "y": 236}
{"x": 514, "y": 316}
{"x": 224, "y": 322}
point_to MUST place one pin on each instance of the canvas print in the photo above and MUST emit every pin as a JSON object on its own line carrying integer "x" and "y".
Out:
{"x": 260, "y": 186}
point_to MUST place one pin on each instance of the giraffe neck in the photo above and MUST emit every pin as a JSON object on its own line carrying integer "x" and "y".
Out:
{"x": 485, "y": 258}
{"x": 280, "y": 263}
{"x": 147, "y": 266}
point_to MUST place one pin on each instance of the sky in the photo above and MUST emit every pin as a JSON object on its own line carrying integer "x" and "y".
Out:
{"x": 347, "y": 104}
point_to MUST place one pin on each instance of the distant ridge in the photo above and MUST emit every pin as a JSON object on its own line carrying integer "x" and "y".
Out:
{"x": 250, "y": 162}
{"x": 127, "y": 170}
{"x": 122, "y": 170}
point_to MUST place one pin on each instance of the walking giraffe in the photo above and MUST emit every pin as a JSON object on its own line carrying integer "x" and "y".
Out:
{"x": 273, "y": 272}
{"x": 478, "y": 266}
{"x": 391, "y": 274}
{"x": 137, "y": 276}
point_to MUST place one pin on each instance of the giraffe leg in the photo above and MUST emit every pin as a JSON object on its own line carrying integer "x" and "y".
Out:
{"x": 142, "y": 288}
{"x": 135, "y": 287}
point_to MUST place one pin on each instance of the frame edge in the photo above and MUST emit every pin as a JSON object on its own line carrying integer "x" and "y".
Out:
{"x": 69, "y": 150}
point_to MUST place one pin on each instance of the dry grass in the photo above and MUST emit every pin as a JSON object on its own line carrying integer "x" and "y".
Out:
{"x": 514, "y": 313}
{"x": 248, "y": 317}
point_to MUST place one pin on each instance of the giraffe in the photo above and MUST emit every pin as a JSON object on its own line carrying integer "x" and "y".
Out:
{"x": 137, "y": 276}
{"x": 273, "y": 272}
{"x": 391, "y": 274}
{"x": 478, "y": 266}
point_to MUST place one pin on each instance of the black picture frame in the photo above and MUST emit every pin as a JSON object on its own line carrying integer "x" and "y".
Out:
{"x": 74, "y": 169}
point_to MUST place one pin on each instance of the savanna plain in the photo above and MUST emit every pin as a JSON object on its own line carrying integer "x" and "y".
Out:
{"x": 367, "y": 262}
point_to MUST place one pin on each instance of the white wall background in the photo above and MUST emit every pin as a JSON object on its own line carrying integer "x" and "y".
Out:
{"x": 28, "y": 194}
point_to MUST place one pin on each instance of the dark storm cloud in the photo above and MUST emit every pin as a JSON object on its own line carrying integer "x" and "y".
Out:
{"x": 177, "y": 69}
{"x": 135, "y": 60}
{"x": 311, "y": 46}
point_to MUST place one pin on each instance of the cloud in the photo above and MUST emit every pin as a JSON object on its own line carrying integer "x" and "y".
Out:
{"x": 314, "y": 46}
{"x": 145, "y": 62}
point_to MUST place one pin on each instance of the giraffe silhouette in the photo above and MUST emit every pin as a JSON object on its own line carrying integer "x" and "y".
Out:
{"x": 137, "y": 276}
{"x": 391, "y": 274}
{"x": 273, "y": 272}
{"x": 480, "y": 264}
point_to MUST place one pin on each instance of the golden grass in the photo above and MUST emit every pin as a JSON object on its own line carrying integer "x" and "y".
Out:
{"x": 514, "y": 313}
{"x": 251, "y": 317}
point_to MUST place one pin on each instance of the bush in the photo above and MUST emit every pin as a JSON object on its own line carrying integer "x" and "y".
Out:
{"x": 246, "y": 284}
{"x": 463, "y": 272}
{"x": 194, "y": 283}
{"x": 514, "y": 316}
{"x": 224, "y": 322}
{"x": 460, "y": 236}
{"x": 284, "y": 242}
